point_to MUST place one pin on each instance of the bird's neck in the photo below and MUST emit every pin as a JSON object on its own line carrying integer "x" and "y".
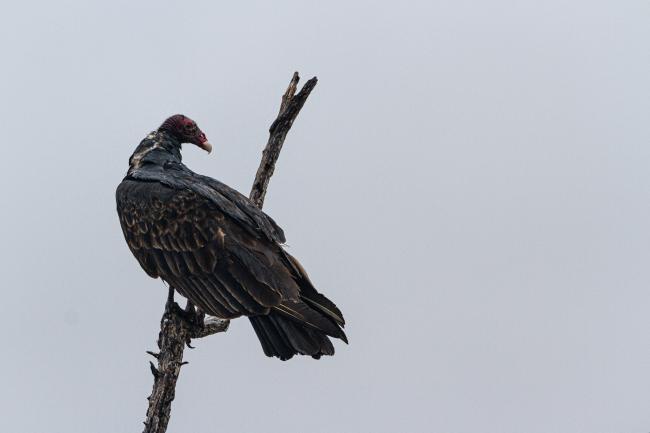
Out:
{"x": 157, "y": 148}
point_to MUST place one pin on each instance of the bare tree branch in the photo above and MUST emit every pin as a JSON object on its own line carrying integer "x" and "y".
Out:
{"x": 289, "y": 109}
{"x": 179, "y": 326}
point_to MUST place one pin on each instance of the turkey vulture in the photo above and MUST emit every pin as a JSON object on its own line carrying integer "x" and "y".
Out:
{"x": 216, "y": 248}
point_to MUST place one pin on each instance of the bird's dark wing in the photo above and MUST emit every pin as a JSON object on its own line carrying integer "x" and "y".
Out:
{"x": 243, "y": 203}
{"x": 218, "y": 191}
{"x": 211, "y": 255}
{"x": 221, "y": 252}
{"x": 229, "y": 201}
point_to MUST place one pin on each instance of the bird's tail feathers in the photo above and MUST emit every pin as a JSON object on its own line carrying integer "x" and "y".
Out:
{"x": 284, "y": 337}
{"x": 309, "y": 294}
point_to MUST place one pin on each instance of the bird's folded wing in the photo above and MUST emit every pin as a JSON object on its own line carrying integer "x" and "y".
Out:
{"x": 212, "y": 257}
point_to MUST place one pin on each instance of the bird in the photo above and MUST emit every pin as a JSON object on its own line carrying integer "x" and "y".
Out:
{"x": 216, "y": 248}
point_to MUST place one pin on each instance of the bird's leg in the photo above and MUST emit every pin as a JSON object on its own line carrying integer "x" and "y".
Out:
{"x": 189, "y": 307}
{"x": 193, "y": 314}
{"x": 169, "y": 306}
{"x": 200, "y": 314}
{"x": 192, "y": 317}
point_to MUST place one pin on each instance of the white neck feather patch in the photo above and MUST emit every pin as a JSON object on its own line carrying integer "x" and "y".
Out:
{"x": 136, "y": 159}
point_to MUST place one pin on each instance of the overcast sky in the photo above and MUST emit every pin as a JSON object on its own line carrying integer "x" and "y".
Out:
{"x": 469, "y": 182}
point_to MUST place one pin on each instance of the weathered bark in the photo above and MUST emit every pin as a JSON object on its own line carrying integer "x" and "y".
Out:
{"x": 289, "y": 109}
{"x": 177, "y": 326}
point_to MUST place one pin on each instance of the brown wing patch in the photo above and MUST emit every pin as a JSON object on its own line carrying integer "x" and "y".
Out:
{"x": 185, "y": 239}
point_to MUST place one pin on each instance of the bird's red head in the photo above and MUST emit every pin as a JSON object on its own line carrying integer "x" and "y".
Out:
{"x": 186, "y": 131}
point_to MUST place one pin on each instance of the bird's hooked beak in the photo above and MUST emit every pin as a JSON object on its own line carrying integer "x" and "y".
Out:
{"x": 204, "y": 143}
{"x": 206, "y": 146}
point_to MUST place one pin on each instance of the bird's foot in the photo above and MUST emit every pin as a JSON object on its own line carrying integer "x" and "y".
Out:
{"x": 171, "y": 306}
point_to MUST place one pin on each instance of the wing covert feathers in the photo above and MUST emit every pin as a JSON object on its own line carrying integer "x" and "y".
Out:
{"x": 221, "y": 252}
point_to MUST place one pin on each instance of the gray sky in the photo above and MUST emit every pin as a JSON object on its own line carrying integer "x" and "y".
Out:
{"x": 469, "y": 182}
